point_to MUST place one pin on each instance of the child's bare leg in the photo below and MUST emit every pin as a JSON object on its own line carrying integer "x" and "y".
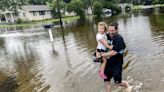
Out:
{"x": 103, "y": 64}
{"x": 102, "y": 68}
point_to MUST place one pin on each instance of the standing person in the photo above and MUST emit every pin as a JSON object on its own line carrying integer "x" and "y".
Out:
{"x": 114, "y": 64}
{"x": 102, "y": 46}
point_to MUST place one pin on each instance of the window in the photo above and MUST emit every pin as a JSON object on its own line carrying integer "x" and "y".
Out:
{"x": 16, "y": 14}
{"x": 34, "y": 13}
{"x": 41, "y": 12}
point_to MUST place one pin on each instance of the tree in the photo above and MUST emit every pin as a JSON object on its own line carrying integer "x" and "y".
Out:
{"x": 125, "y": 1}
{"x": 158, "y": 1}
{"x": 97, "y": 6}
{"x": 67, "y": 1}
{"x": 38, "y": 2}
{"x": 74, "y": 5}
{"x": 7, "y": 5}
{"x": 53, "y": 5}
{"x": 87, "y": 3}
{"x": 11, "y": 4}
{"x": 77, "y": 6}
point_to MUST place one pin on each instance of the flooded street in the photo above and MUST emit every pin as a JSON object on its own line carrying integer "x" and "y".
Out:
{"x": 30, "y": 62}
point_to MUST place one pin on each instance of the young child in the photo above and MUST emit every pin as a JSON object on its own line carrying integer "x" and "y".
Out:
{"x": 102, "y": 46}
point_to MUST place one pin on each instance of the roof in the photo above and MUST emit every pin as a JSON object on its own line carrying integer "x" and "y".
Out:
{"x": 35, "y": 8}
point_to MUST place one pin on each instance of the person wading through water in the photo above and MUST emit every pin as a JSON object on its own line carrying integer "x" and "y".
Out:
{"x": 113, "y": 68}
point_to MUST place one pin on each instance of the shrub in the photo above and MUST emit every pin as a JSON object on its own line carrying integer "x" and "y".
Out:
{"x": 19, "y": 21}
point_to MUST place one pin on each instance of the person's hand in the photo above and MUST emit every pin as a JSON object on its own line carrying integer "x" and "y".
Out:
{"x": 98, "y": 55}
{"x": 111, "y": 47}
{"x": 97, "y": 58}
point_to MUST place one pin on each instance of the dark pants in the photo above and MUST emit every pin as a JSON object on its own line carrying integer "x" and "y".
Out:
{"x": 114, "y": 69}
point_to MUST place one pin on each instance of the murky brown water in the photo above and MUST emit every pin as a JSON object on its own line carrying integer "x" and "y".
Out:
{"x": 30, "y": 62}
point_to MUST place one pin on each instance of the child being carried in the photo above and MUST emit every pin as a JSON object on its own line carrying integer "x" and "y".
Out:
{"x": 102, "y": 46}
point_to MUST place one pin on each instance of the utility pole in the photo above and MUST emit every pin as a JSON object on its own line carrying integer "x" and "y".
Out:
{"x": 61, "y": 24}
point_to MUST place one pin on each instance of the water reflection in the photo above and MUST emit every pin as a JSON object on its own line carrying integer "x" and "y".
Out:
{"x": 21, "y": 61}
{"x": 157, "y": 29}
{"x": 161, "y": 9}
{"x": 9, "y": 84}
{"x": 157, "y": 23}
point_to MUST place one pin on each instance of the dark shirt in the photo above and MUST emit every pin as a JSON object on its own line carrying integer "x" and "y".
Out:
{"x": 118, "y": 45}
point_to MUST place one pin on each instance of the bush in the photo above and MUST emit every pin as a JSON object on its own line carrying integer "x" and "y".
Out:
{"x": 19, "y": 21}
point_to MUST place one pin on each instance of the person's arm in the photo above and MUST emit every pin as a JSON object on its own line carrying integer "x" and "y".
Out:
{"x": 109, "y": 54}
{"x": 105, "y": 43}
{"x": 97, "y": 54}
{"x": 117, "y": 46}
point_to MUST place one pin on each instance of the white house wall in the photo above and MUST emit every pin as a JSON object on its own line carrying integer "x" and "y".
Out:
{"x": 30, "y": 16}
{"x": 23, "y": 15}
{"x": 9, "y": 17}
{"x": 36, "y": 16}
{"x": 70, "y": 13}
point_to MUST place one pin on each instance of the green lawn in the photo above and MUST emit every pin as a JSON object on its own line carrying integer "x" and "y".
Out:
{"x": 39, "y": 22}
{"x": 140, "y": 6}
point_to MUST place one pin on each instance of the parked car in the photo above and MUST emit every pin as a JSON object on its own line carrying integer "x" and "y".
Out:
{"x": 107, "y": 12}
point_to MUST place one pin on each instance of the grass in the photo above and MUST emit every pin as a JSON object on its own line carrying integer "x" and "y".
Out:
{"x": 140, "y": 6}
{"x": 39, "y": 22}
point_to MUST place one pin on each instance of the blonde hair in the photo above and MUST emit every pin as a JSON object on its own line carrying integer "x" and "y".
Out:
{"x": 103, "y": 24}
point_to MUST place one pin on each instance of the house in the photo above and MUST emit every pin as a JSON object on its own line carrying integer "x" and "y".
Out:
{"x": 35, "y": 12}
{"x": 7, "y": 16}
{"x": 28, "y": 13}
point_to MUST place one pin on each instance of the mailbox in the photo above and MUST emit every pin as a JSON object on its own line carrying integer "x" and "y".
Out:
{"x": 48, "y": 26}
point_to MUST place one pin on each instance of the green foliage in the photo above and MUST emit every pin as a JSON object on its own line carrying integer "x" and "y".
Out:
{"x": 125, "y": 1}
{"x": 38, "y": 2}
{"x": 75, "y": 5}
{"x": 87, "y": 3}
{"x": 110, "y": 4}
{"x": 136, "y": 2}
{"x": 141, "y": 2}
{"x": 7, "y": 5}
{"x": 19, "y": 21}
{"x": 53, "y": 5}
{"x": 78, "y": 7}
{"x": 67, "y": 1}
{"x": 11, "y": 4}
{"x": 97, "y": 6}
{"x": 158, "y": 1}
{"x": 14, "y": 4}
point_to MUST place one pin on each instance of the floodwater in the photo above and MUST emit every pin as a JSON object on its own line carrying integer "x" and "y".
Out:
{"x": 30, "y": 62}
